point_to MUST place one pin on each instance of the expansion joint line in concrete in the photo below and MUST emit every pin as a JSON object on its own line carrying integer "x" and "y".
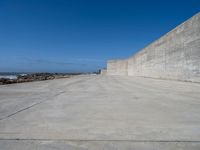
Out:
{"x": 93, "y": 140}
{"x": 20, "y": 111}
{"x": 26, "y": 108}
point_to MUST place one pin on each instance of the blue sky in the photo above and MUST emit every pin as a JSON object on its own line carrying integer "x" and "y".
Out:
{"x": 81, "y": 35}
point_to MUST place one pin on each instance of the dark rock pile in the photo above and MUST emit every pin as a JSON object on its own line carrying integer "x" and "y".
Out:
{"x": 7, "y": 81}
{"x": 36, "y": 77}
{"x": 33, "y": 77}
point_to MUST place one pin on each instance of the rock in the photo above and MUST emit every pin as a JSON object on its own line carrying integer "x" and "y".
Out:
{"x": 34, "y": 77}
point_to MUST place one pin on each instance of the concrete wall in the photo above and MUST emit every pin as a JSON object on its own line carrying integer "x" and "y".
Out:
{"x": 103, "y": 72}
{"x": 176, "y": 55}
{"x": 117, "y": 67}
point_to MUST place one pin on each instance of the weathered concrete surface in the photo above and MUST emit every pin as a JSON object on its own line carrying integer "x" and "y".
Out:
{"x": 117, "y": 67}
{"x": 100, "y": 112}
{"x": 176, "y": 55}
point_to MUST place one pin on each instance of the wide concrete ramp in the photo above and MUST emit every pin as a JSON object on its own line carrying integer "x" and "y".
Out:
{"x": 100, "y": 112}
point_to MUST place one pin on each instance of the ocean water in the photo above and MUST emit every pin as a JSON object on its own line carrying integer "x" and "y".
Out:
{"x": 10, "y": 75}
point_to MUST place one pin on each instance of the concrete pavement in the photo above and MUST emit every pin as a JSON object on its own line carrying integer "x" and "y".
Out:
{"x": 100, "y": 112}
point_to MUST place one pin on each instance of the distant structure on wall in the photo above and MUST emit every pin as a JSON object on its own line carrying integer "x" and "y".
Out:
{"x": 103, "y": 72}
{"x": 175, "y": 55}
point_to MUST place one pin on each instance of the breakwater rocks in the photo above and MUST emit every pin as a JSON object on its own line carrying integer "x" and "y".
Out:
{"x": 34, "y": 77}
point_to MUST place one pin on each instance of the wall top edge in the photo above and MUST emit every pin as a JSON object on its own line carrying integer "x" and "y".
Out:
{"x": 197, "y": 15}
{"x": 116, "y": 60}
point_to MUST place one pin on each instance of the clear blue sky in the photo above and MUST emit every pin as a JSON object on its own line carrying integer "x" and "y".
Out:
{"x": 81, "y": 35}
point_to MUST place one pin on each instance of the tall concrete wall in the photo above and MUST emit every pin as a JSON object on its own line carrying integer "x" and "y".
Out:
{"x": 117, "y": 67}
{"x": 176, "y": 55}
{"x": 103, "y": 72}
